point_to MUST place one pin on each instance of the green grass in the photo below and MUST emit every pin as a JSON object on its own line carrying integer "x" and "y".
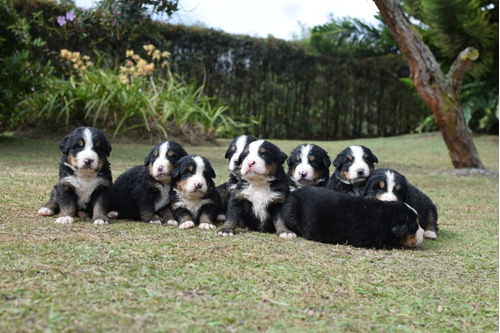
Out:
{"x": 130, "y": 276}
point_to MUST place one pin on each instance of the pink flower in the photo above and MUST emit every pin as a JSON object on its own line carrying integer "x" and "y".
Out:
{"x": 70, "y": 16}
{"x": 61, "y": 20}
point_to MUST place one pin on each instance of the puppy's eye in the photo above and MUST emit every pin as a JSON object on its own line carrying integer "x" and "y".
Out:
{"x": 298, "y": 158}
{"x": 350, "y": 158}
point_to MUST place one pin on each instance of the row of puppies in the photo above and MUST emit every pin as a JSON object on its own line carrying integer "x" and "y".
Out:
{"x": 255, "y": 194}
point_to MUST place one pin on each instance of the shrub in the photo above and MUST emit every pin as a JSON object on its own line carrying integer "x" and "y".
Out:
{"x": 128, "y": 97}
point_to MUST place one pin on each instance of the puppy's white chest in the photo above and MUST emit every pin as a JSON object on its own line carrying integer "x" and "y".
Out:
{"x": 163, "y": 199}
{"x": 260, "y": 195}
{"x": 84, "y": 187}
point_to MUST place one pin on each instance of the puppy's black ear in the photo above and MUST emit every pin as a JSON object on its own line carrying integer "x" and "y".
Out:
{"x": 289, "y": 161}
{"x": 176, "y": 171}
{"x": 326, "y": 159}
{"x": 64, "y": 145}
{"x": 338, "y": 161}
{"x": 106, "y": 147}
{"x": 150, "y": 157}
{"x": 399, "y": 231}
{"x": 282, "y": 157}
{"x": 371, "y": 155}
{"x": 210, "y": 171}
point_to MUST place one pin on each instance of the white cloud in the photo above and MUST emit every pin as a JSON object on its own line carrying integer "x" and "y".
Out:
{"x": 261, "y": 18}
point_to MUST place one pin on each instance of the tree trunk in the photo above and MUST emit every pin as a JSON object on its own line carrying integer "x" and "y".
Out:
{"x": 441, "y": 93}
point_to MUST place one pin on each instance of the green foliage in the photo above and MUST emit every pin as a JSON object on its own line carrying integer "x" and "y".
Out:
{"x": 481, "y": 106}
{"x": 103, "y": 97}
{"x": 350, "y": 37}
{"x": 20, "y": 71}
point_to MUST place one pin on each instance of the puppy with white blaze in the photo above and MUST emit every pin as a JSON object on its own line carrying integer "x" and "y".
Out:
{"x": 142, "y": 192}
{"x": 390, "y": 185}
{"x": 233, "y": 155}
{"x": 194, "y": 197}
{"x": 308, "y": 165}
{"x": 260, "y": 193}
{"x": 84, "y": 187}
{"x": 353, "y": 166}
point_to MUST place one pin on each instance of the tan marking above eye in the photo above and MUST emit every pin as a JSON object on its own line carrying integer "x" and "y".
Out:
{"x": 312, "y": 158}
{"x": 350, "y": 158}
{"x": 233, "y": 148}
{"x": 298, "y": 158}
{"x": 170, "y": 153}
{"x": 398, "y": 187}
{"x": 97, "y": 143}
{"x": 365, "y": 155}
{"x": 262, "y": 150}
{"x": 81, "y": 143}
{"x": 156, "y": 153}
{"x": 190, "y": 168}
{"x": 382, "y": 184}
{"x": 247, "y": 151}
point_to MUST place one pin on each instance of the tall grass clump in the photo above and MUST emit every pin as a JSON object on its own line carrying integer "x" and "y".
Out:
{"x": 128, "y": 97}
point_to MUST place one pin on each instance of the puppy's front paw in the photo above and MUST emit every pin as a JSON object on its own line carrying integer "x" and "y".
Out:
{"x": 100, "y": 221}
{"x": 429, "y": 234}
{"x": 288, "y": 235}
{"x": 155, "y": 222}
{"x": 44, "y": 211}
{"x": 186, "y": 225}
{"x": 112, "y": 215}
{"x": 206, "y": 226}
{"x": 65, "y": 220}
{"x": 172, "y": 222}
{"x": 225, "y": 232}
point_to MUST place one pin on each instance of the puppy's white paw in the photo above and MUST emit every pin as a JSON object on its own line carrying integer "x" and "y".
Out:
{"x": 429, "y": 234}
{"x": 186, "y": 225}
{"x": 225, "y": 233}
{"x": 288, "y": 235}
{"x": 172, "y": 222}
{"x": 221, "y": 217}
{"x": 44, "y": 211}
{"x": 155, "y": 222}
{"x": 112, "y": 215}
{"x": 65, "y": 220}
{"x": 206, "y": 226}
{"x": 100, "y": 221}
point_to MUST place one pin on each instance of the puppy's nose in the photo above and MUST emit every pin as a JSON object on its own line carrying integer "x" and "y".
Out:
{"x": 361, "y": 172}
{"x": 198, "y": 186}
{"x": 160, "y": 168}
{"x": 88, "y": 161}
{"x": 251, "y": 163}
{"x": 303, "y": 174}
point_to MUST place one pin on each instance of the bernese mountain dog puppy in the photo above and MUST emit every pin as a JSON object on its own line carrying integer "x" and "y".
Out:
{"x": 84, "y": 187}
{"x": 194, "y": 198}
{"x": 353, "y": 166}
{"x": 142, "y": 192}
{"x": 260, "y": 192}
{"x": 233, "y": 153}
{"x": 390, "y": 185}
{"x": 308, "y": 165}
{"x": 321, "y": 215}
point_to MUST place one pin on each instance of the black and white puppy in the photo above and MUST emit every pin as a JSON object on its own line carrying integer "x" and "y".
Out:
{"x": 260, "y": 193}
{"x": 308, "y": 165}
{"x": 353, "y": 166}
{"x": 85, "y": 180}
{"x": 390, "y": 185}
{"x": 233, "y": 153}
{"x": 193, "y": 196}
{"x": 321, "y": 215}
{"x": 142, "y": 192}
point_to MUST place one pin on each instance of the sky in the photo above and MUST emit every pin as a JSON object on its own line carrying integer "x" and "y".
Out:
{"x": 260, "y": 18}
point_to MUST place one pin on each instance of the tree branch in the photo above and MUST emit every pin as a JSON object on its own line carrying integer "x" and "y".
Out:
{"x": 461, "y": 65}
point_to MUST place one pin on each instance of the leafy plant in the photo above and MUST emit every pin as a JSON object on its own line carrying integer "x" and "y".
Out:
{"x": 128, "y": 98}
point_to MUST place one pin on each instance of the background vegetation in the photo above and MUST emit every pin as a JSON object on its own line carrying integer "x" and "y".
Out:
{"x": 346, "y": 80}
{"x": 130, "y": 276}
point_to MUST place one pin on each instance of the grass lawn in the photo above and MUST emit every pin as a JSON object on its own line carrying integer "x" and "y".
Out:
{"x": 131, "y": 276}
